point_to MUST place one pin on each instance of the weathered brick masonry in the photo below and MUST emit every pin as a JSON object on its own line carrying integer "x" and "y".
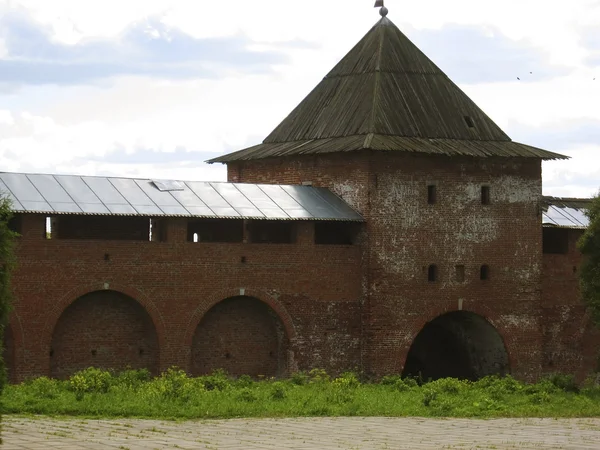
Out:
{"x": 405, "y": 235}
{"x": 571, "y": 340}
{"x": 450, "y": 274}
{"x": 125, "y": 303}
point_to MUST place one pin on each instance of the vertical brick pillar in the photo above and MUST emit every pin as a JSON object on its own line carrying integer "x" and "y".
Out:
{"x": 305, "y": 233}
{"x": 176, "y": 229}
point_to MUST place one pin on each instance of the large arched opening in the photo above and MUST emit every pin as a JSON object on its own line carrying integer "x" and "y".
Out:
{"x": 8, "y": 354}
{"x": 458, "y": 344}
{"x": 243, "y": 336}
{"x": 104, "y": 329}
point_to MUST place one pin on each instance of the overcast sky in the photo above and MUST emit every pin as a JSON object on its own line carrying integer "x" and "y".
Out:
{"x": 152, "y": 88}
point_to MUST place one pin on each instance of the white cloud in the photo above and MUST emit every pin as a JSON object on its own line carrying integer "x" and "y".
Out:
{"x": 68, "y": 129}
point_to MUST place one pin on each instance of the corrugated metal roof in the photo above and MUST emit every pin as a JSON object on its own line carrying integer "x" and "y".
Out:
{"x": 565, "y": 212}
{"x": 386, "y": 88}
{"x": 71, "y": 194}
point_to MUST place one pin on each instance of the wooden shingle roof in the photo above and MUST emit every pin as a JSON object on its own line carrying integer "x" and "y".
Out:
{"x": 386, "y": 94}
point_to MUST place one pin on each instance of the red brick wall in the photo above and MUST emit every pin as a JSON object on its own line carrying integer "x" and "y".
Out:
{"x": 103, "y": 329}
{"x": 571, "y": 340}
{"x": 313, "y": 289}
{"x": 406, "y": 235}
{"x": 341, "y": 307}
{"x": 243, "y": 336}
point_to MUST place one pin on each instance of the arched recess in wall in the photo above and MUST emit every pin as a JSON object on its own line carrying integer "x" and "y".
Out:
{"x": 105, "y": 329}
{"x": 459, "y": 344}
{"x": 9, "y": 353}
{"x": 243, "y": 336}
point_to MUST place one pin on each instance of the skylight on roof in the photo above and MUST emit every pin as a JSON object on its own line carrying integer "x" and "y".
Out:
{"x": 168, "y": 185}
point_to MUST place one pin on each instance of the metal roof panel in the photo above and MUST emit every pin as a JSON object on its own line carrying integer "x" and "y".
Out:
{"x": 50, "y": 188}
{"x": 71, "y": 194}
{"x": 565, "y": 212}
{"x": 77, "y": 189}
{"x": 105, "y": 191}
{"x": 5, "y": 190}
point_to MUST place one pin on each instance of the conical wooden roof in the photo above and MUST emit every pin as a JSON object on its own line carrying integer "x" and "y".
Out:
{"x": 385, "y": 94}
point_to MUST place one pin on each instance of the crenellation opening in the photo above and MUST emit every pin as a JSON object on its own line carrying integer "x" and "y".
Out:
{"x": 158, "y": 230}
{"x": 335, "y": 233}
{"x": 216, "y": 230}
{"x": 555, "y": 240}
{"x": 271, "y": 232}
{"x": 15, "y": 223}
{"x": 118, "y": 228}
{"x": 49, "y": 225}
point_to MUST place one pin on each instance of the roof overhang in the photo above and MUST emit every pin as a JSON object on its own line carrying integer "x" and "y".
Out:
{"x": 85, "y": 195}
{"x": 377, "y": 142}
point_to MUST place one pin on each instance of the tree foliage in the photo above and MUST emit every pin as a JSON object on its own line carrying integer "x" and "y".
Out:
{"x": 7, "y": 264}
{"x": 589, "y": 275}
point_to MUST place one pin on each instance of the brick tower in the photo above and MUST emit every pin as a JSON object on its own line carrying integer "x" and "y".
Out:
{"x": 452, "y": 246}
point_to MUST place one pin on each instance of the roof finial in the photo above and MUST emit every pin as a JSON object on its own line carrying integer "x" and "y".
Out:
{"x": 383, "y": 11}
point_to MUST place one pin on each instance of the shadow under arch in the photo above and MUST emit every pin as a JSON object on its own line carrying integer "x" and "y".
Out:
{"x": 458, "y": 344}
{"x": 106, "y": 329}
{"x": 243, "y": 335}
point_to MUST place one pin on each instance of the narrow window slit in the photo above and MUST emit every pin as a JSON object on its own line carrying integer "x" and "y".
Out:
{"x": 485, "y": 195}
{"x": 431, "y": 194}
{"x": 484, "y": 272}
{"x": 460, "y": 273}
{"x": 432, "y": 273}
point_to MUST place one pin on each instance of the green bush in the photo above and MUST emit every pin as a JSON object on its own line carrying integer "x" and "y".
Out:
{"x": 90, "y": 380}
{"x": 173, "y": 394}
{"x": 564, "y": 382}
{"x": 217, "y": 380}
{"x": 300, "y": 378}
{"x": 173, "y": 384}
{"x": 44, "y": 387}
{"x": 247, "y": 395}
{"x": 448, "y": 385}
{"x": 278, "y": 391}
{"x": 543, "y": 386}
{"x": 7, "y": 265}
{"x": 347, "y": 380}
{"x": 498, "y": 387}
{"x": 132, "y": 379}
{"x": 318, "y": 376}
{"x": 429, "y": 395}
{"x": 244, "y": 381}
{"x": 390, "y": 380}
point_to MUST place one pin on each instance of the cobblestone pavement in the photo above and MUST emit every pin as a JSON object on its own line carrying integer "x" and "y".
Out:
{"x": 307, "y": 433}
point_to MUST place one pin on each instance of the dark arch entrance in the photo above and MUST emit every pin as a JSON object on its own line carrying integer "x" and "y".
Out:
{"x": 9, "y": 354}
{"x": 104, "y": 329}
{"x": 459, "y": 344}
{"x": 243, "y": 336}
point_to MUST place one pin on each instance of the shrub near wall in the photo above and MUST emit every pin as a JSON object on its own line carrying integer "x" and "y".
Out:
{"x": 7, "y": 262}
{"x": 175, "y": 395}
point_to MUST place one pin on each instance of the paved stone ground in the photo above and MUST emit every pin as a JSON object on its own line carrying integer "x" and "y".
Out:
{"x": 307, "y": 434}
